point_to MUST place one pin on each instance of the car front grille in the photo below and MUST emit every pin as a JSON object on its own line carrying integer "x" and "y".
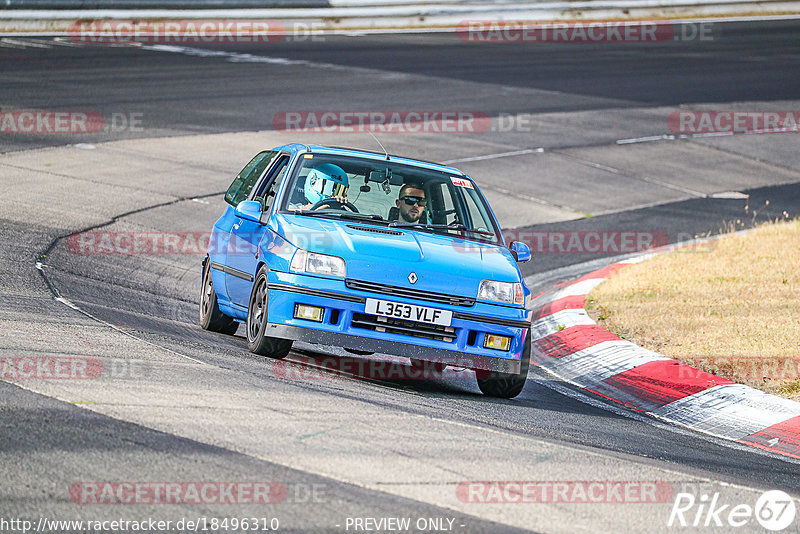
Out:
{"x": 392, "y": 325}
{"x": 430, "y": 296}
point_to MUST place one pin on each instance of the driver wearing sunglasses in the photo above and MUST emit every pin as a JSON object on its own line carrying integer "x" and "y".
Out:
{"x": 411, "y": 202}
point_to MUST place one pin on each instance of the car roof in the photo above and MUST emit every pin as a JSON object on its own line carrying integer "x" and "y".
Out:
{"x": 356, "y": 152}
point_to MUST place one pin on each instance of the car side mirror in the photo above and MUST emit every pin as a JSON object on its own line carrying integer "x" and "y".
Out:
{"x": 249, "y": 210}
{"x": 520, "y": 251}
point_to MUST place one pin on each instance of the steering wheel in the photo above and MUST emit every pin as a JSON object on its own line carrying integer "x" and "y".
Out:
{"x": 335, "y": 204}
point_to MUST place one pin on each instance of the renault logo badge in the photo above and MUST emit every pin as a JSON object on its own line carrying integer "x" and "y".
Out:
{"x": 412, "y": 278}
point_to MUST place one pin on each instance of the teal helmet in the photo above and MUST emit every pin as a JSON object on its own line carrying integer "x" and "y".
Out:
{"x": 324, "y": 182}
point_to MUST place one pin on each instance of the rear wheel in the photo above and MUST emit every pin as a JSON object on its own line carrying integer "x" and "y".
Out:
{"x": 506, "y": 385}
{"x": 211, "y": 318}
{"x": 257, "y": 342}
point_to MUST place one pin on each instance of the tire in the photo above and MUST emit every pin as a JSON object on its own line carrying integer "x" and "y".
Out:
{"x": 506, "y": 385}
{"x": 256, "y": 323}
{"x": 211, "y": 318}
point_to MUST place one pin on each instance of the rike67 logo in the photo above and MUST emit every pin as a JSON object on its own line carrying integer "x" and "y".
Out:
{"x": 774, "y": 510}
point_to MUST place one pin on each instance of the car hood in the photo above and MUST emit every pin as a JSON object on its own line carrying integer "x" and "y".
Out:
{"x": 441, "y": 263}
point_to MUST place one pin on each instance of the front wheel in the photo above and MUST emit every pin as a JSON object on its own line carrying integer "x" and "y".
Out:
{"x": 506, "y": 385}
{"x": 257, "y": 342}
{"x": 211, "y": 318}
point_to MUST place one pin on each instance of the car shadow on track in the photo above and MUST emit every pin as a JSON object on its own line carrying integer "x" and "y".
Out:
{"x": 426, "y": 379}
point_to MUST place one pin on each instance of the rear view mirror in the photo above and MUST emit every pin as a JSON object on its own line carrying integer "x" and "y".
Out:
{"x": 377, "y": 176}
{"x": 380, "y": 177}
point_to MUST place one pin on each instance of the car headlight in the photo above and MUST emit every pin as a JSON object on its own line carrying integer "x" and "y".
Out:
{"x": 505, "y": 292}
{"x": 311, "y": 262}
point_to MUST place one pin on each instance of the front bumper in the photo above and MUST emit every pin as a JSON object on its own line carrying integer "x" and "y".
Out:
{"x": 343, "y": 325}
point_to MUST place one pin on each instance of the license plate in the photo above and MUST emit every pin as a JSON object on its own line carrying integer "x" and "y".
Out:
{"x": 409, "y": 312}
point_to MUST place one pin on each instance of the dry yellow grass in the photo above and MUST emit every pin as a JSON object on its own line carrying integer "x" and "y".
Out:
{"x": 732, "y": 309}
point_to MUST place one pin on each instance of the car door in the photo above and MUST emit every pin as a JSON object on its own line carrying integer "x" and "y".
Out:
{"x": 246, "y": 236}
{"x": 239, "y": 190}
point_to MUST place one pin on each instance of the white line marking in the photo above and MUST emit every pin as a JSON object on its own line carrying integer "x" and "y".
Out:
{"x": 235, "y": 57}
{"x": 63, "y": 41}
{"x": 710, "y": 134}
{"x": 644, "y": 139}
{"x": 668, "y": 137}
{"x": 498, "y": 155}
{"x": 730, "y": 195}
{"x": 5, "y": 44}
{"x": 75, "y": 307}
{"x": 26, "y": 43}
{"x": 529, "y": 198}
{"x": 633, "y": 175}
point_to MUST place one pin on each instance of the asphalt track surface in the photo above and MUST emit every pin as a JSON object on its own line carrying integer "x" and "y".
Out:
{"x": 376, "y": 448}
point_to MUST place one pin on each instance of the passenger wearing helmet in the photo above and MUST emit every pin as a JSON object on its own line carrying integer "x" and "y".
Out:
{"x": 325, "y": 182}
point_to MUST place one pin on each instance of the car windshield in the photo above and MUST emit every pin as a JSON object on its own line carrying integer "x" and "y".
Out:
{"x": 394, "y": 194}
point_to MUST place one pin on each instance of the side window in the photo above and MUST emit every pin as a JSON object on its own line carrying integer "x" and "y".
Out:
{"x": 441, "y": 208}
{"x": 479, "y": 217}
{"x": 266, "y": 194}
{"x": 450, "y": 213}
{"x": 243, "y": 183}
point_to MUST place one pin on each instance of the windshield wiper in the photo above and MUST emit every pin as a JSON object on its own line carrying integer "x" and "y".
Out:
{"x": 360, "y": 216}
{"x": 458, "y": 227}
{"x": 463, "y": 228}
{"x": 340, "y": 215}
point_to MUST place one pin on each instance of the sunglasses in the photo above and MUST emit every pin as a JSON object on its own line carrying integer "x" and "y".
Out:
{"x": 410, "y": 201}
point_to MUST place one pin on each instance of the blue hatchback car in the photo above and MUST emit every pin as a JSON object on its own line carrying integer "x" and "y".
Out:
{"x": 373, "y": 253}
